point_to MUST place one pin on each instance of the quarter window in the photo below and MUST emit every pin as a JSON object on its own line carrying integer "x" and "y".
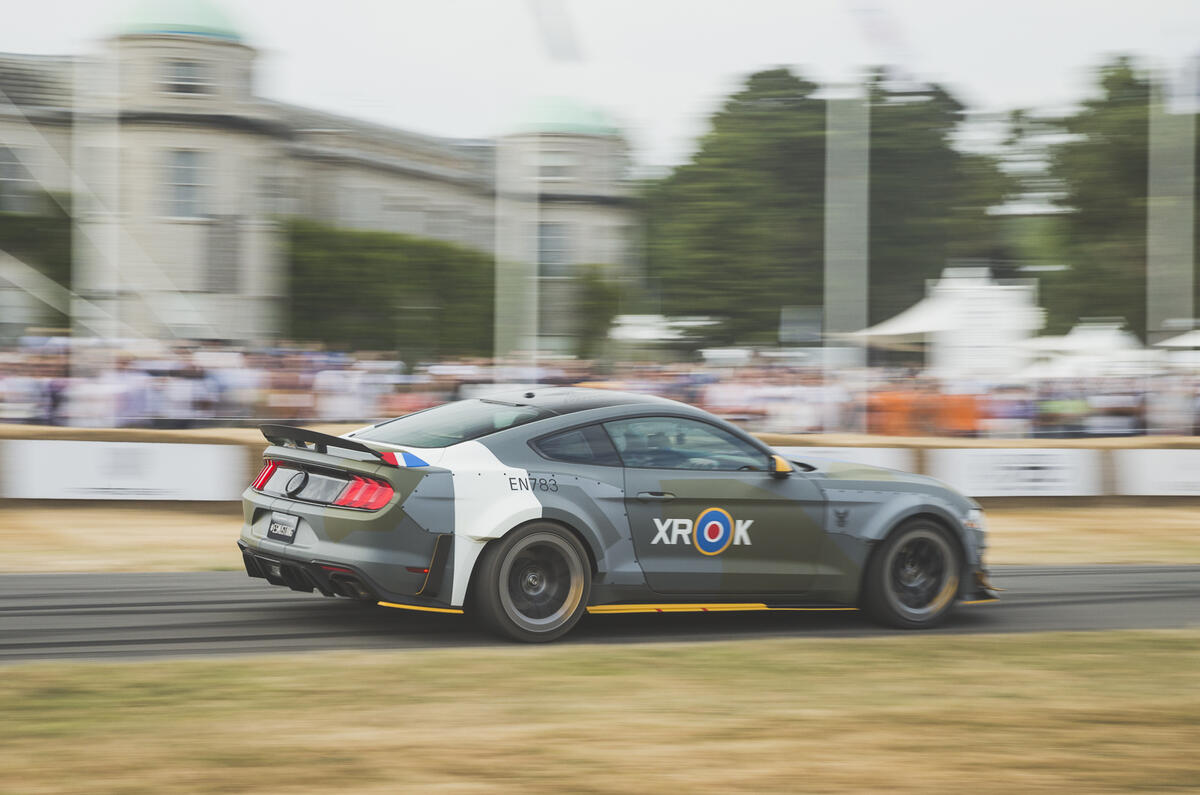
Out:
{"x": 589, "y": 445}
{"x": 680, "y": 443}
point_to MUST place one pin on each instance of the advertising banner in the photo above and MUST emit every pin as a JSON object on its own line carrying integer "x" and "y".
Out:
{"x": 1018, "y": 472}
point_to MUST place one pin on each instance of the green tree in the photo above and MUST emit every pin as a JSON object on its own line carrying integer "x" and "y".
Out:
{"x": 928, "y": 201}
{"x": 378, "y": 290}
{"x": 598, "y": 302}
{"x": 738, "y": 232}
{"x": 42, "y": 241}
{"x": 1103, "y": 167}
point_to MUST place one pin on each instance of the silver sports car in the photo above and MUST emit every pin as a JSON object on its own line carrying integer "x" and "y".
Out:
{"x": 530, "y": 509}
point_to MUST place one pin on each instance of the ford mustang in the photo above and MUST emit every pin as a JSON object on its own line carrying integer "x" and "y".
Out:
{"x": 530, "y": 509}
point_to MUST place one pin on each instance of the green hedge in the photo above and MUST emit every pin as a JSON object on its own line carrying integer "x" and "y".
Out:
{"x": 383, "y": 291}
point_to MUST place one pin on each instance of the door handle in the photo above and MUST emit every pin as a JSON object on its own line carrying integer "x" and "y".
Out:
{"x": 655, "y": 496}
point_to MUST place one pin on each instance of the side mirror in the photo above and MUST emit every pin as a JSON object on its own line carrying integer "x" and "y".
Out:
{"x": 780, "y": 468}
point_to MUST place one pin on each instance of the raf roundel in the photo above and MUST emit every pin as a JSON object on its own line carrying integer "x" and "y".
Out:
{"x": 714, "y": 531}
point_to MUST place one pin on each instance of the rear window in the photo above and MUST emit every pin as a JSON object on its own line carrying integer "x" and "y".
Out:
{"x": 452, "y": 423}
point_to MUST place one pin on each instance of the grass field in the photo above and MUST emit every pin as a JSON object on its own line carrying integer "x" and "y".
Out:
{"x": 1076, "y": 712}
{"x": 104, "y": 538}
{"x": 67, "y": 537}
{"x": 1050, "y": 536}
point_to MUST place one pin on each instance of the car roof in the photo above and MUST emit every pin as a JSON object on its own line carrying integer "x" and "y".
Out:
{"x": 568, "y": 400}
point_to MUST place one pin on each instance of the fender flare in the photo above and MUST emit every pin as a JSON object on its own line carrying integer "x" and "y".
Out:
{"x": 919, "y": 506}
{"x": 906, "y": 506}
{"x": 478, "y": 545}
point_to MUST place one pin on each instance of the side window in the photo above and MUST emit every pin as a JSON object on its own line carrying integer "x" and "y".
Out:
{"x": 588, "y": 445}
{"x": 679, "y": 443}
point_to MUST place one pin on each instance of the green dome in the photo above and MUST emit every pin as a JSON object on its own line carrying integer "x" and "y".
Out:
{"x": 563, "y": 115}
{"x": 178, "y": 18}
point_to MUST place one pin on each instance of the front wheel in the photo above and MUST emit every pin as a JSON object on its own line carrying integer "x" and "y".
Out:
{"x": 533, "y": 584}
{"x": 912, "y": 579}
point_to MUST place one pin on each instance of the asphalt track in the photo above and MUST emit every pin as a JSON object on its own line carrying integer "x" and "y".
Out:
{"x": 104, "y": 616}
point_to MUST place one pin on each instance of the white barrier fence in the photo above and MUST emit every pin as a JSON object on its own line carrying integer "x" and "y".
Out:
{"x": 57, "y": 470}
{"x": 1036, "y": 472}
{"x": 42, "y": 469}
{"x": 1158, "y": 473}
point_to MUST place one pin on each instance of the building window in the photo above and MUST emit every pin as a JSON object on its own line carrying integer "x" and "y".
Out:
{"x": 188, "y": 77}
{"x": 187, "y": 172}
{"x": 223, "y": 255}
{"x": 627, "y": 245}
{"x": 245, "y": 84}
{"x": 405, "y": 214}
{"x": 445, "y": 223}
{"x": 556, "y": 165}
{"x": 276, "y": 190}
{"x": 553, "y": 250}
{"x": 359, "y": 207}
{"x": 18, "y": 192}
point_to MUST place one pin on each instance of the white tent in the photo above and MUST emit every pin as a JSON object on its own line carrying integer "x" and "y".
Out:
{"x": 1190, "y": 339}
{"x": 1089, "y": 337}
{"x": 907, "y": 330}
{"x": 973, "y": 325}
{"x": 1091, "y": 349}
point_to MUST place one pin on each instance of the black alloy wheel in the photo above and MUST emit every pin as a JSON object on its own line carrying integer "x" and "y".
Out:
{"x": 533, "y": 584}
{"x": 912, "y": 579}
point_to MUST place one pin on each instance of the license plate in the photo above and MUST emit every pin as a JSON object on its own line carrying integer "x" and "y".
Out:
{"x": 283, "y": 527}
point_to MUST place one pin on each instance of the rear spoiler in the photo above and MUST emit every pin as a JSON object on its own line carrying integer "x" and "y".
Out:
{"x": 301, "y": 438}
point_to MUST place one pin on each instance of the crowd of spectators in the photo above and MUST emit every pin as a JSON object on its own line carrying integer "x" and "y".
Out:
{"x": 197, "y": 385}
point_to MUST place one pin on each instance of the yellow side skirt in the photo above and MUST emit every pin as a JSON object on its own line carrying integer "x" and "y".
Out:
{"x": 677, "y": 608}
{"x": 706, "y": 608}
{"x": 422, "y": 609}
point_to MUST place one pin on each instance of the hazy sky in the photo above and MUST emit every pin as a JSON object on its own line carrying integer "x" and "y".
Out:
{"x": 466, "y": 67}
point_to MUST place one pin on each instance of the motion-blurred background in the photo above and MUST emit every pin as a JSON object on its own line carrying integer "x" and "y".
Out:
{"x": 904, "y": 219}
{"x": 941, "y": 236}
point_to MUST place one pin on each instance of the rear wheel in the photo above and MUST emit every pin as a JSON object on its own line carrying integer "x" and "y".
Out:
{"x": 912, "y": 579}
{"x": 532, "y": 585}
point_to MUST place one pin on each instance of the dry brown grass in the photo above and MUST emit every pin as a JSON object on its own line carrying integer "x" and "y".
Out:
{"x": 1050, "y": 536}
{"x": 928, "y": 713}
{"x": 99, "y": 537}
{"x": 72, "y": 537}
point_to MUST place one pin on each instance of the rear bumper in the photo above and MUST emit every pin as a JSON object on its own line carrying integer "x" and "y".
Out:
{"x": 341, "y": 579}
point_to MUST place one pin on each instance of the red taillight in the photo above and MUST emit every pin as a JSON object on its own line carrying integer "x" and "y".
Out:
{"x": 379, "y": 498}
{"x": 267, "y": 471}
{"x": 364, "y": 493}
{"x": 351, "y": 493}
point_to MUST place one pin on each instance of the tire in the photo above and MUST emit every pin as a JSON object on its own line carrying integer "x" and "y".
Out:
{"x": 533, "y": 584}
{"x": 912, "y": 580}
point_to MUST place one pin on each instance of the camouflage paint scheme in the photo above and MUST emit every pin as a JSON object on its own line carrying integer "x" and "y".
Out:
{"x": 809, "y": 536}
